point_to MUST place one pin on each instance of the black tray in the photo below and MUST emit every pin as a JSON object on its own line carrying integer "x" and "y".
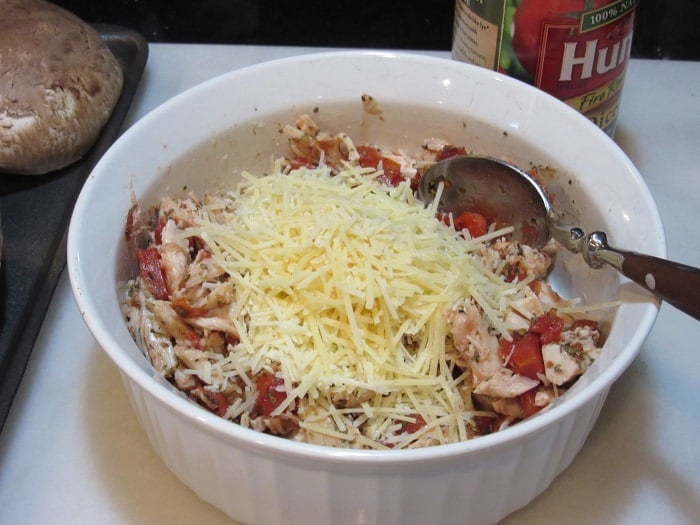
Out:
{"x": 36, "y": 211}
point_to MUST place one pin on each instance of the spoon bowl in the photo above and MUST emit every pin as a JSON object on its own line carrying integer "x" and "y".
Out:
{"x": 506, "y": 194}
{"x": 500, "y": 192}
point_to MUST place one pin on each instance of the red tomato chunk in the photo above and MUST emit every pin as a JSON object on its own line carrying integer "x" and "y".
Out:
{"x": 475, "y": 223}
{"x": 548, "y": 327}
{"x": 524, "y": 354}
{"x": 270, "y": 395}
{"x": 152, "y": 273}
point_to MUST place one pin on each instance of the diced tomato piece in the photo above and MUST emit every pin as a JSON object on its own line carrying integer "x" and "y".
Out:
{"x": 535, "y": 286}
{"x": 194, "y": 246}
{"x": 158, "y": 233}
{"x": 527, "y": 403}
{"x": 270, "y": 396}
{"x": 152, "y": 273}
{"x": 450, "y": 151}
{"x": 198, "y": 249}
{"x": 411, "y": 427}
{"x": 218, "y": 400}
{"x": 415, "y": 181}
{"x": 593, "y": 325}
{"x": 369, "y": 156}
{"x": 231, "y": 339}
{"x": 524, "y": 354}
{"x": 184, "y": 309}
{"x": 392, "y": 172}
{"x": 300, "y": 162}
{"x": 194, "y": 338}
{"x": 504, "y": 348}
{"x": 475, "y": 223}
{"x": 548, "y": 326}
{"x": 575, "y": 350}
{"x": 486, "y": 424}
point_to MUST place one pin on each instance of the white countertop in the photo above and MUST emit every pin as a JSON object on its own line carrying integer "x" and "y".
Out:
{"x": 72, "y": 451}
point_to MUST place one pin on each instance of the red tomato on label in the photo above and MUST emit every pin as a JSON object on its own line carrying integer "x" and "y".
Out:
{"x": 528, "y": 20}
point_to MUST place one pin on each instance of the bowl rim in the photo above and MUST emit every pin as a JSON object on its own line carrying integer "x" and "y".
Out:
{"x": 270, "y": 444}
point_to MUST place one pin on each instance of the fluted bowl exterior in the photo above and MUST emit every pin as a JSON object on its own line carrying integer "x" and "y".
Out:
{"x": 202, "y": 137}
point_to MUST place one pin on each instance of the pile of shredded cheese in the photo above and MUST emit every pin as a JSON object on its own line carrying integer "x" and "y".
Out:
{"x": 343, "y": 284}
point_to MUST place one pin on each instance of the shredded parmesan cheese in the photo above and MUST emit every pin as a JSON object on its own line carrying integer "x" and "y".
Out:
{"x": 343, "y": 284}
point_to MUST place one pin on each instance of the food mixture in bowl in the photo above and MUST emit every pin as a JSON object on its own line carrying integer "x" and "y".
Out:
{"x": 322, "y": 302}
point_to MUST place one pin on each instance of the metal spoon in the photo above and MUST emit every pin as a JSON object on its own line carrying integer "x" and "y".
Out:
{"x": 504, "y": 193}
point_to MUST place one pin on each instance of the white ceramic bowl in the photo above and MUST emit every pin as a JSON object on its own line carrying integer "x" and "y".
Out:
{"x": 201, "y": 137}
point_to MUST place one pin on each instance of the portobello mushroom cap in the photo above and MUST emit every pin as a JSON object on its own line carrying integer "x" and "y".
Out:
{"x": 59, "y": 83}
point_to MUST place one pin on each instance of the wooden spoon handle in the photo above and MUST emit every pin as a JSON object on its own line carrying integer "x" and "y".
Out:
{"x": 675, "y": 283}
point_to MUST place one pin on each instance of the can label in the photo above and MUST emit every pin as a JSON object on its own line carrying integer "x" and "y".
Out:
{"x": 576, "y": 50}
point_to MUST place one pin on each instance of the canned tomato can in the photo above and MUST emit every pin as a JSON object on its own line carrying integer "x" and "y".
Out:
{"x": 575, "y": 50}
